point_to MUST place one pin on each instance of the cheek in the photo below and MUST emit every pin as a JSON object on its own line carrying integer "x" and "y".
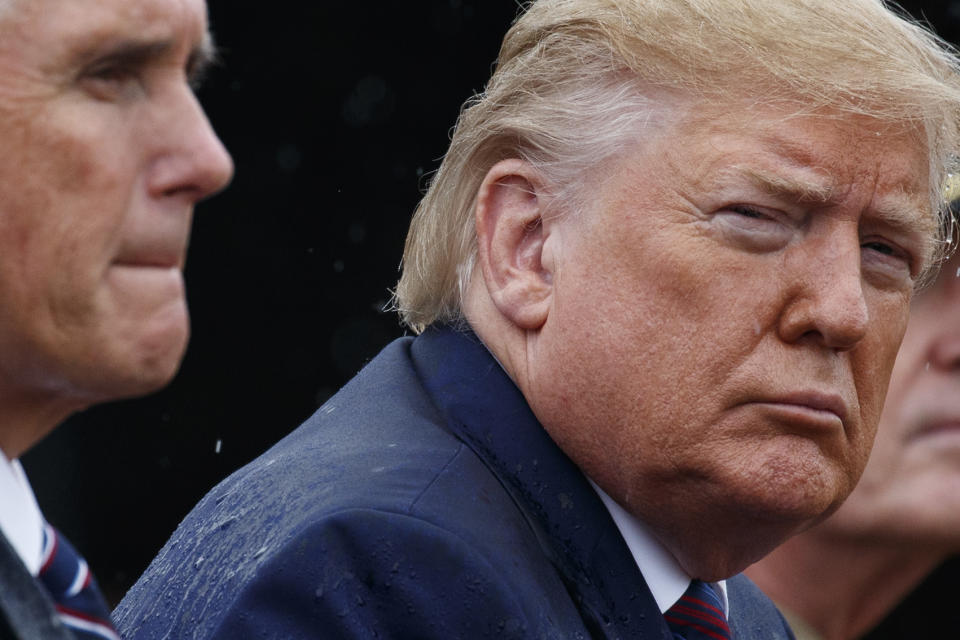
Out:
{"x": 59, "y": 218}
{"x": 82, "y": 182}
{"x": 872, "y": 363}
{"x": 873, "y": 360}
{"x": 647, "y": 337}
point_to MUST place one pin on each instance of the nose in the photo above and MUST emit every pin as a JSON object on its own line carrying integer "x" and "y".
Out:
{"x": 193, "y": 163}
{"x": 826, "y": 303}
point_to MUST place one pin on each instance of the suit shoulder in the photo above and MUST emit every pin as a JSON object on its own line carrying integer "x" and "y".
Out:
{"x": 358, "y": 572}
{"x": 378, "y": 446}
{"x": 377, "y": 443}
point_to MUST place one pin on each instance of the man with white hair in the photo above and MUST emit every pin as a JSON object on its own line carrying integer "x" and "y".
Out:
{"x": 105, "y": 153}
{"x": 659, "y": 282}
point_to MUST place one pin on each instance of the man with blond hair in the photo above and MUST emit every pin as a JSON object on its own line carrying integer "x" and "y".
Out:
{"x": 105, "y": 153}
{"x": 659, "y": 282}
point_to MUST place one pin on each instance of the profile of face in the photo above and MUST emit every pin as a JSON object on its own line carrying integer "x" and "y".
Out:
{"x": 724, "y": 316}
{"x": 910, "y": 490}
{"x": 106, "y": 152}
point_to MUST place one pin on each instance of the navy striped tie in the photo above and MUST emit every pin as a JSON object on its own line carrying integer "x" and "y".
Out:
{"x": 69, "y": 582}
{"x": 698, "y": 615}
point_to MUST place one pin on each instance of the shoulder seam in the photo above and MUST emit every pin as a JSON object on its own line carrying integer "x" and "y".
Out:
{"x": 436, "y": 476}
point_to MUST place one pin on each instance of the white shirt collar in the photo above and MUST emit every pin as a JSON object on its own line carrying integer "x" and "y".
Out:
{"x": 20, "y": 518}
{"x": 661, "y": 571}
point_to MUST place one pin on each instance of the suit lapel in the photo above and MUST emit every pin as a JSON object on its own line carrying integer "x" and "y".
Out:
{"x": 486, "y": 410}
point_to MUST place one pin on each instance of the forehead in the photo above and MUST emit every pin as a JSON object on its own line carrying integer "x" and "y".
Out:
{"x": 830, "y": 146}
{"x": 61, "y": 26}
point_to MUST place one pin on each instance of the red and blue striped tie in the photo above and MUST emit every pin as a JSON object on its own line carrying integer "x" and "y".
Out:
{"x": 76, "y": 596}
{"x": 698, "y": 614}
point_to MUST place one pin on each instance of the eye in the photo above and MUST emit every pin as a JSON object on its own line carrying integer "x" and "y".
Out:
{"x": 887, "y": 250}
{"x": 111, "y": 81}
{"x": 754, "y": 229}
{"x": 748, "y": 212}
{"x": 888, "y": 260}
{"x": 880, "y": 247}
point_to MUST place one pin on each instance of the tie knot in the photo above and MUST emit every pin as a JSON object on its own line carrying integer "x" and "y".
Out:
{"x": 698, "y": 614}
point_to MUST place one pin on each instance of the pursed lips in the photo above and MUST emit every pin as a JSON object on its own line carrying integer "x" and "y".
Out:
{"x": 162, "y": 245}
{"x": 149, "y": 262}
{"x": 938, "y": 424}
{"x": 153, "y": 255}
{"x": 828, "y": 406}
{"x": 935, "y": 411}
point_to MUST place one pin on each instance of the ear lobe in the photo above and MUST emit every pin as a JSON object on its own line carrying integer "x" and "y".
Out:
{"x": 510, "y": 238}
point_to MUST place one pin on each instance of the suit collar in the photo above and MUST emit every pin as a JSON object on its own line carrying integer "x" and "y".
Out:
{"x": 486, "y": 410}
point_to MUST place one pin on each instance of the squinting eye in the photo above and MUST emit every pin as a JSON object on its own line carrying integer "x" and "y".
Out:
{"x": 881, "y": 247}
{"x": 753, "y": 229}
{"x": 113, "y": 73}
{"x": 888, "y": 250}
{"x": 888, "y": 262}
{"x": 747, "y": 212}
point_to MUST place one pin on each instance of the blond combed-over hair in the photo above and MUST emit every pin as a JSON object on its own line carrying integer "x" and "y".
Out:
{"x": 576, "y": 80}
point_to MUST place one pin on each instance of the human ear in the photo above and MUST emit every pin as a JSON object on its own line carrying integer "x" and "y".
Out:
{"x": 510, "y": 238}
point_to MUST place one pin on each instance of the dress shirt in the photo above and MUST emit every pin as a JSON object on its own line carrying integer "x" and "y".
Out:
{"x": 20, "y": 517}
{"x": 667, "y": 581}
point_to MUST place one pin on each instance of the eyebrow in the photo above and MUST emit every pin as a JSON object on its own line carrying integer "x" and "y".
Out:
{"x": 796, "y": 188}
{"x": 898, "y": 210}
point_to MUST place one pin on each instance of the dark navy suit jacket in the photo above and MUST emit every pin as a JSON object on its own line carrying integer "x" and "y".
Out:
{"x": 422, "y": 501}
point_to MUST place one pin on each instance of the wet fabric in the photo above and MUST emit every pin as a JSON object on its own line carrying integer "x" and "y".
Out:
{"x": 423, "y": 501}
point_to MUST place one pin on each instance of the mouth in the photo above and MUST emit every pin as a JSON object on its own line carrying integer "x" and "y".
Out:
{"x": 945, "y": 427}
{"x": 811, "y": 409}
{"x": 153, "y": 260}
{"x": 144, "y": 264}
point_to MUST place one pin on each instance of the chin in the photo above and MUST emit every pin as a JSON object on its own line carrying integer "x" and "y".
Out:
{"x": 159, "y": 366}
{"x": 150, "y": 362}
{"x": 795, "y": 489}
{"x": 157, "y": 375}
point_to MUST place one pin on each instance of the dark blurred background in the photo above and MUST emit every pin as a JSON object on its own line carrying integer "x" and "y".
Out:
{"x": 335, "y": 113}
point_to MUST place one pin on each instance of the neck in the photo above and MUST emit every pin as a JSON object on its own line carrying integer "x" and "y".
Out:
{"x": 842, "y": 587}
{"x": 25, "y": 418}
